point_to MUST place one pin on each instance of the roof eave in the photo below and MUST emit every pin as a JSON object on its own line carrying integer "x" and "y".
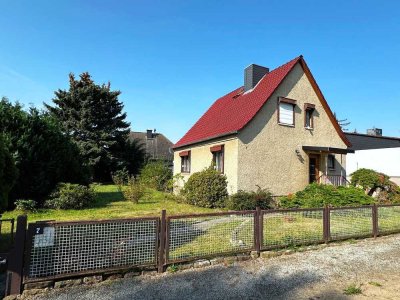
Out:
{"x": 176, "y": 147}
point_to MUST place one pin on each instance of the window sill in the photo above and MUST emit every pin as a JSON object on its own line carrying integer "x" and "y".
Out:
{"x": 185, "y": 173}
{"x": 286, "y": 125}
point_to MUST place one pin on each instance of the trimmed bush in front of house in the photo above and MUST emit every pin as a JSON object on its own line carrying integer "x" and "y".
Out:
{"x": 207, "y": 188}
{"x": 243, "y": 200}
{"x": 319, "y": 195}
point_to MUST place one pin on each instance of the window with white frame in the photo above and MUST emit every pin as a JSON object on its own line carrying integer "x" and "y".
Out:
{"x": 286, "y": 111}
{"x": 218, "y": 157}
{"x": 185, "y": 161}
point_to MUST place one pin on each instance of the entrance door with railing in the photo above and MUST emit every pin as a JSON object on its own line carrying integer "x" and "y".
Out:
{"x": 314, "y": 168}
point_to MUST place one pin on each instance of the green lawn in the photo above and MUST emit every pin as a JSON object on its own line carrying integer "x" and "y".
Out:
{"x": 110, "y": 204}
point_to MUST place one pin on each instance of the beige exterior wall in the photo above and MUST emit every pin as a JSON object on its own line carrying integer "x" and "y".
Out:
{"x": 201, "y": 157}
{"x": 267, "y": 151}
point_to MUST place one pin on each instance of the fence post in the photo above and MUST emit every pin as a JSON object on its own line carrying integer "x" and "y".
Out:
{"x": 161, "y": 250}
{"x": 16, "y": 259}
{"x": 375, "y": 220}
{"x": 257, "y": 221}
{"x": 326, "y": 223}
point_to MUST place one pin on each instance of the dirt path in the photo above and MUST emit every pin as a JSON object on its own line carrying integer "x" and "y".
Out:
{"x": 320, "y": 274}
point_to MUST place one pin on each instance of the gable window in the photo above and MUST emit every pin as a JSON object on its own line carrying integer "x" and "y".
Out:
{"x": 185, "y": 161}
{"x": 286, "y": 111}
{"x": 331, "y": 162}
{"x": 308, "y": 115}
{"x": 218, "y": 157}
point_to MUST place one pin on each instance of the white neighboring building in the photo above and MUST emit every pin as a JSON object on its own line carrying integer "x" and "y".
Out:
{"x": 374, "y": 151}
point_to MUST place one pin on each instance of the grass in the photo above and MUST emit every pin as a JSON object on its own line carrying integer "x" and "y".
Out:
{"x": 110, "y": 204}
{"x": 352, "y": 289}
{"x": 374, "y": 283}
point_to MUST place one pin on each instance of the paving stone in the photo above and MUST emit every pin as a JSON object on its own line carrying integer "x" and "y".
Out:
{"x": 92, "y": 279}
{"x": 201, "y": 263}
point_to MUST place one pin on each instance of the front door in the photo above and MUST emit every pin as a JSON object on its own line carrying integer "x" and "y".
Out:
{"x": 314, "y": 168}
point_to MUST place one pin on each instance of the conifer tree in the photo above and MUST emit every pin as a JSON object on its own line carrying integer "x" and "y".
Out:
{"x": 93, "y": 116}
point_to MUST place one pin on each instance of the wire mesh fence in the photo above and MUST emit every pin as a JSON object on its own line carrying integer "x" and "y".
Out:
{"x": 291, "y": 227}
{"x": 350, "y": 222}
{"x": 388, "y": 219}
{"x": 60, "y": 249}
{"x": 190, "y": 237}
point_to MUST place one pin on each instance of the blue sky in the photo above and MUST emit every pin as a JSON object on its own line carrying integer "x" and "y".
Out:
{"x": 172, "y": 59}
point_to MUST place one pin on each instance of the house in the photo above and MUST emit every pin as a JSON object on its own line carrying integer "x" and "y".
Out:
{"x": 375, "y": 151}
{"x": 157, "y": 145}
{"x": 277, "y": 131}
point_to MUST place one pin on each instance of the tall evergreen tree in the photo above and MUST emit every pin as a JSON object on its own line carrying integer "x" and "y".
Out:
{"x": 8, "y": 173}
{"x": 92, "y": 115}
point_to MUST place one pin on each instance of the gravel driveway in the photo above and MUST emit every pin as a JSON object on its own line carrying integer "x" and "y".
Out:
{"x": 318, "y": 274}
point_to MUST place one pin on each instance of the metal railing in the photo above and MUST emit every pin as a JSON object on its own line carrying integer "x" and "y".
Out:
{"x": 336, "y": 180}
{"x": 54, "y": 250}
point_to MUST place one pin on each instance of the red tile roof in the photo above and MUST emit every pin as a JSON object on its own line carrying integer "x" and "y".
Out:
{"x": 233, "y": 111}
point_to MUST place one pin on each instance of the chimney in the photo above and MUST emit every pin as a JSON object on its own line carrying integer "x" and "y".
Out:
{"x": 149, "y": 134}
{"x": 374, "y": 131}
{"x": 252, "y": 75}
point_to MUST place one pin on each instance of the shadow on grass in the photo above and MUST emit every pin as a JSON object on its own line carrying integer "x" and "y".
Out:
{"x": 105, "y": 198}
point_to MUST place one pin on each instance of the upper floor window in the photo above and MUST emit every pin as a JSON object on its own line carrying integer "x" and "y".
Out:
{"x": 308, "y": 115}
{"x": 331, "y": 162}
{"x": 185, "y": 161}
{"x": 286, "y": 111}
{"x": 218, "y": 157}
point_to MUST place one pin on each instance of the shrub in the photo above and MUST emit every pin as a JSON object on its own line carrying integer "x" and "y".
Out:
{"x": 369, "y": 180}
{"x": 120, "y": 178}
{"x": 71, "y": 196}
{"x": 243, "y": 200}
{"x": 25, "y": 205}
{"x": 156, "y": 175}
{"x": 134, "y": 191}
{"x": 318, "y": 195}
{"x": 207, "y": 188}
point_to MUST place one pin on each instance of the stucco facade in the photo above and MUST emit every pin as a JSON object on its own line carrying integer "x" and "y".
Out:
{"x": 267, "y": 150}
{"x": 201, "y": 157}
{"x": 270, "y": 155}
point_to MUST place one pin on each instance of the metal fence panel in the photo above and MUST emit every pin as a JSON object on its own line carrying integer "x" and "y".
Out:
{"x": 60, "y": 249}
{"x": 388, "y": 219}
{"x": 350, "y": 222}
{"x": 291, "y": 227}
{"x": 197, "y": 236}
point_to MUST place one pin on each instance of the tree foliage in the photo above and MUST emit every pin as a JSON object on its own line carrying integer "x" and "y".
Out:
{"x": 43, "y": 155}
{"x": 92, "y": 115}
{"x": 156, "y": 175}
{"x": 8, "y": 173}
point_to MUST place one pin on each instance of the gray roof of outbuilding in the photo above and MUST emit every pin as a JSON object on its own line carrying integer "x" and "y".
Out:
{"x": 361, "y": 141}
{"x": 158, "y": 147}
